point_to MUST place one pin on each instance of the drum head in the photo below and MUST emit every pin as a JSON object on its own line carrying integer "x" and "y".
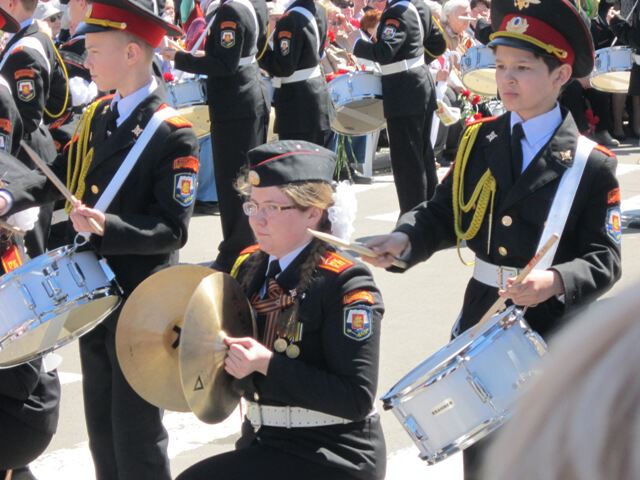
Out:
{"x": 33, "y": 339}
{"x": 482, "y": 82}
{"x": 612, "y": 82}
{"x": 359, "y": 117}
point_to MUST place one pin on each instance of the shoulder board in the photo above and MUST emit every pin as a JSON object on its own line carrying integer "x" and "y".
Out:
{"x": 244, "y": 255}
{"x": 177, "y": 121}
{"x": 334, "y": 262}
{"x": 605, "y": 150}
{"x": 481, "y": 120}
{"x": 250, "y": 249}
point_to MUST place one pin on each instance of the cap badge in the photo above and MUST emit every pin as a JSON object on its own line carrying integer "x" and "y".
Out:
{"x": 254, "y": 178}
{"x": 522, "y": 4}
{"x": 517, "y": 25}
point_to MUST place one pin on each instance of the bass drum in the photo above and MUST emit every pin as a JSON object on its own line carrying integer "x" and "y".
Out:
{"x": 357, "y": 99}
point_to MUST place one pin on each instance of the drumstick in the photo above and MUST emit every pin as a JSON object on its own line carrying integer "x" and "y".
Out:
{"x": 358, "y": 248}
{"x": 500, "y": 302}
{"x": 57, "y": 182}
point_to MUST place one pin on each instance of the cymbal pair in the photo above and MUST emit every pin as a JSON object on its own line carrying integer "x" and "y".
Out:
{"x": 170, "y": 339}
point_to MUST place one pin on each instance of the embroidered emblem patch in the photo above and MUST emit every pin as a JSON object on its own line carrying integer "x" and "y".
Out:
{"x": 184, "y": 188}
{"x": 285, "y": 46}
{"x": 26, "y": 90}
{"x": 358, "y": 296}
{"x": 186, "y": 163}
{"x": 5, "y": 124}
{"x": 357, "y": 323}
{"x": 614, "y": 224}
{"x": 4, "y": 141}
{"x": 228, "y": 38}
{"x": 24, "y": 73}
{"x": 389, "y": 32}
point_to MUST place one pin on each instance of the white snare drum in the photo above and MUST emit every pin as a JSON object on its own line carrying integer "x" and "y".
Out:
{"x": 188, "y": 92}
{"x": 466, "y": 389}
{"x": 51, "y": 300}
{"x": 357, "y": 99}
{"x": 612, "y": 69}
{"x": 478, "y": 70}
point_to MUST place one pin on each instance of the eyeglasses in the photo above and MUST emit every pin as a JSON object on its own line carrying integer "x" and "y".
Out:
{"x": 270, "y": 210}
{"x": 55, "y": 18}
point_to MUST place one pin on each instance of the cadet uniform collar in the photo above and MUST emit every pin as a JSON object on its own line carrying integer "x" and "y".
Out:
{"x": 128, "y": 104}
{"x": 287, "y": 259}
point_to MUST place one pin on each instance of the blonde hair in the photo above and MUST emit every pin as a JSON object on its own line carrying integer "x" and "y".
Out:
{"x": 581, "y": 419}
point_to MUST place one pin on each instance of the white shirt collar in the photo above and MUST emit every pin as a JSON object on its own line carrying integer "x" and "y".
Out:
{"x": 286, "y": 260}
{"x": 537, "y": 128}
{"x": 128, "y": 104}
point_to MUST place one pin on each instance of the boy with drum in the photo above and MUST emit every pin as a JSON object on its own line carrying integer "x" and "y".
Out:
{"x": 497, "y": 197}
{"x": 138, "y": 233}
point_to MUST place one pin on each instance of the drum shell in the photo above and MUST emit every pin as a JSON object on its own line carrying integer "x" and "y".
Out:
{"x": 612, "y": 69}
{"x": 467, "y": 389}
{"x": 360, "y": 92}
{"x": 187, "y": 92}
{"x": 51, "y": 300}
{"x": 478, "y": 70}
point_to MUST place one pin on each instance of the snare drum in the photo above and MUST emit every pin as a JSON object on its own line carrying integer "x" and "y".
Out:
{"x": 187, "y": 92}
{"x": 467, "y": 389}
{"x": 51, "y": 300}
{"x": 357, "y": 99}
{"x": 478, "y": 69}
{"x": 612, "y": 69}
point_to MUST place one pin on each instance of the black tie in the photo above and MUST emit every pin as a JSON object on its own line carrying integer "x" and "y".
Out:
{"x": 272, "y": 271}
{"x": 112, "y": 117}
{"x": 517, "y": 134}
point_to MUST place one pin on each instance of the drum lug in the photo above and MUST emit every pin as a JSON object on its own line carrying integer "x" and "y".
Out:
{"x": 414, "y": 429}
{"x": 479, "y": 388}
{"x": 77, "y": 274}
{"x": 51, "y": 284}
{"x": 28, "y": 298}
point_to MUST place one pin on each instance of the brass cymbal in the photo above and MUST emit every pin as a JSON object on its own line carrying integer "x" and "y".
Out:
{"x": 149, "y": 331}
{"x": 217, "y": 309}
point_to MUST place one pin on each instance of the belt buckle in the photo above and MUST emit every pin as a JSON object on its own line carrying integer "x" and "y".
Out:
{"x": 504, "y": 273}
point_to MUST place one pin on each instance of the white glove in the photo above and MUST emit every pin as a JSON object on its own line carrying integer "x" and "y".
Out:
{"x": 24, "y": 220}
{"x": 82, "y": 92}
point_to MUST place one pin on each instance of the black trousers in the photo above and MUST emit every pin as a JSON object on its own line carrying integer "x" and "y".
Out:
{"x": 231, "y": 140}
{"x": 20, "y": 443}
{"x": 126, "y": 436}
{"x": 261, "y": 462}
{"x": 319, "y": 137}
{"x": 412, "y": 159}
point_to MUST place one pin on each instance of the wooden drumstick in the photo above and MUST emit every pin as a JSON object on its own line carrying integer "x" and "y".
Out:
{"x": 500, "y": 302}
{"x": 57, "y": 182}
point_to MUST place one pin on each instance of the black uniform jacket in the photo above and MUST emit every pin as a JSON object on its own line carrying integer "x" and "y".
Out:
{"x": 148, "y": 219}
{"x": 31, "y": 396}
{"x": 233, "y": 91}
{"x": 587, "y": 259}
{"x": 398, "y": 38}
{"x": 10, "y": 123}
{"x": 334, "y": 373}
{"x": 300, "y": 106}
{"x": 33, "y": 87}
{"x": 628, "y": 33}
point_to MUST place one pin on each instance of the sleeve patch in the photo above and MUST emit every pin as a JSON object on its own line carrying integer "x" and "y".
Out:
{"x": 179, "y": 122}
{"x": 613, "y": 197}
{"x": 284, "y": 34}
{"x": 188, "y": 163}
{"x": 227, "y": 38}
{"x": 5, "y": 124}
{"x": 357, "y": 323}
{"x": 335, "y": 263}
{"x": 614, "y": 224}
{"x": 388, "y": 32}
{"x": 228, "y": 24}
{"x": 184, "y": 188}
{"x": 358, "y": 296}
{"x": 285, "y": 46}
{"x": 4, "y": 142}
{"x": 26, "y": 90}
{"x": 392, "y": 21}
{"x": 24, "y": 73}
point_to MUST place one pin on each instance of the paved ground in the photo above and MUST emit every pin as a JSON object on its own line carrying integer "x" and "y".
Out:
{"x": 421, "y": 306}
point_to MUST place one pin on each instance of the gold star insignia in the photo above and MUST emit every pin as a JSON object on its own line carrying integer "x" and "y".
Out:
{"x": 565, "y": 156}
{"x": 137, "y": 131}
